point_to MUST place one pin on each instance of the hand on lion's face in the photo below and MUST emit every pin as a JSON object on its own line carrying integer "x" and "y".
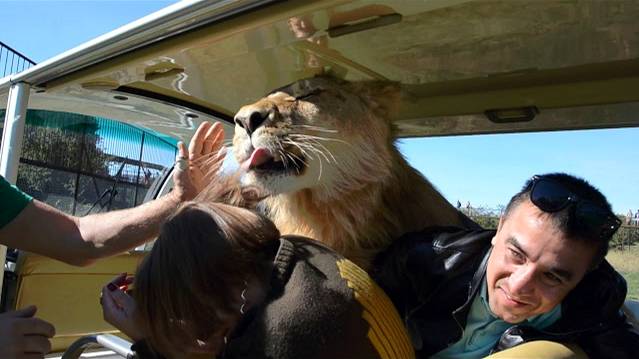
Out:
{"x": 319, "y": 133}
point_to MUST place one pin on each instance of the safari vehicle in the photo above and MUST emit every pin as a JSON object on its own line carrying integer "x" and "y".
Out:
{"x": 468, "y": 67}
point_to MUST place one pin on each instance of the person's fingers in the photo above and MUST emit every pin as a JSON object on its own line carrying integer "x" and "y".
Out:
{"x": 213, "y": 139}
{"x": 215, "y": 161}
{"x": 123, "y": 300}
{"x": 122, "y": 280}
{"x": 126, "y": 282}
{"x": 109, "y": 305}
{"x": 110, "y": 309}
{"x": 212, "y": 168}
{"x": 182, "y": 151}
{"x": 119, "y": 280}
{"x": 182, "y": 158}
{"x": 115, "y": 298}
{"x": 197, "y": 142}
{"x": 209, "y": 138}
{"x": 35, "y": 344}
{"x": 217, "y": 142}
{"x": 207, "y": 159}
{"x": 26, "y": 312}
{"x": 35, "y": 326}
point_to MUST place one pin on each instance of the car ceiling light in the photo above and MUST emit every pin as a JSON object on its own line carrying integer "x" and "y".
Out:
{"x": 509, "y": 115}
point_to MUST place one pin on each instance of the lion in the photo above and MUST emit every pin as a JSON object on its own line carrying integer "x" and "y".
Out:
{"x": 323, "y": 151}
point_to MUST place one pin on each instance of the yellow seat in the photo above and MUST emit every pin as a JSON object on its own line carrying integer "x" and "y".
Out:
{"x": 68, "y": 296}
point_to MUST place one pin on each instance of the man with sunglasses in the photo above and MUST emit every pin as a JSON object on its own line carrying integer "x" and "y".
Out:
{"x": 541, "y": 276}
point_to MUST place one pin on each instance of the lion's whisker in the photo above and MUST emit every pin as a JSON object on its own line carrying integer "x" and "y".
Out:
{"x": 284, "y": 158}
{"x": 304, "y": 152}
{"x": 298, "y": 158}
{"x": 319, "y": 177}
{"x": 325, "y": 149}
{"x": 313, "y": 144}
{"x": 319, "y": 152}
{"x": 311, "y": 148}
{"x": 319, "y": 138}
{"x": 282, "y": 153}
{"x": 291, "y": 155}
{"x": 316, "y": 128}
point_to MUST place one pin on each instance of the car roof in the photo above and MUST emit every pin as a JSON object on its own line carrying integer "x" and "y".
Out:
{"x": 465, "y": 67}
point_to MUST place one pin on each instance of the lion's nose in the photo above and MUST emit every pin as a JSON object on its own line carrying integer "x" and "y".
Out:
{"x": 251, "y": 120}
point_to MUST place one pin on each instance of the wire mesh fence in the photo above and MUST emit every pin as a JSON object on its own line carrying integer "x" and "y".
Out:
{"x": 82, "y": 164}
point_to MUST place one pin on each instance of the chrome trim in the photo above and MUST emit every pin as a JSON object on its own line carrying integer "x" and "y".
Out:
{"x": 11, "y": 147}
{"x": 109, "y": 341}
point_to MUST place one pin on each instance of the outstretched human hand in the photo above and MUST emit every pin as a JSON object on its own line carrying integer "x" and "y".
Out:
{"x": 118, "y": 308}
{"x": 22, "y": 336}
{"x": 204, "y": 159}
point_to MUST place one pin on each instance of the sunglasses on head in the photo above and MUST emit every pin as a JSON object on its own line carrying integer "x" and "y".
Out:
{"x": 552, "y": 196}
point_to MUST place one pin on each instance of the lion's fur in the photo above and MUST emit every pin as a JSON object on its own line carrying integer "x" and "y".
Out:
{"x": 369, "y": 195}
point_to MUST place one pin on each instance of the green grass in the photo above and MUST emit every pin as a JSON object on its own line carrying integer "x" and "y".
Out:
{"x": 627, "y": 263}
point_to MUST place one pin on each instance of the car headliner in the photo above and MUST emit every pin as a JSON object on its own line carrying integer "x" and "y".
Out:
{"x": 574, "y": 64}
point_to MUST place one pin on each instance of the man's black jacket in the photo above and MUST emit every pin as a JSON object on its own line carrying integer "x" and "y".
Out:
{"x": 433, "y": 276}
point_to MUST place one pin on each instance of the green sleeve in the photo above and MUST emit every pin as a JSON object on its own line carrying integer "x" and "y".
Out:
{"x": 12, "y": 201}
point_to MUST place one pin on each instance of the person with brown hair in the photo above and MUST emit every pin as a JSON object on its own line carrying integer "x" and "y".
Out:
{"x": 221, "y": 281}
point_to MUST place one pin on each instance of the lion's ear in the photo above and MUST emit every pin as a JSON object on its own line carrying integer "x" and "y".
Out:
{"x": 382, "y": 96}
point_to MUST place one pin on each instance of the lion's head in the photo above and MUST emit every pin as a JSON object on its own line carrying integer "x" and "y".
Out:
{"x": 319, "y": 133}
{"x": 323, "y": 151}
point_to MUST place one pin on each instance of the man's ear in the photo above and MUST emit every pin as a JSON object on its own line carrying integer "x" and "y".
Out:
{"x": 501, "y": 223}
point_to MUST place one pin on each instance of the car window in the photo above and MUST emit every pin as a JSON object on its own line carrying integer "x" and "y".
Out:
{"x": 84, "y": 164}
{"x": 479, "y": 173}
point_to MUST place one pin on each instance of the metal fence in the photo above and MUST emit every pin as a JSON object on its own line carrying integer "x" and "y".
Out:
{"x": 82, "y": 164}
{"x": 11, "y": 61}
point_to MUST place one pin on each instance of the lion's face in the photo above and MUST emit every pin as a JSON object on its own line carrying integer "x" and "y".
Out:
{"x": 317, "y": 133}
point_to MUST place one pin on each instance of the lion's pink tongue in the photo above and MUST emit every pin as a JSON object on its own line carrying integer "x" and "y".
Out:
{"x": 258, "y": 157}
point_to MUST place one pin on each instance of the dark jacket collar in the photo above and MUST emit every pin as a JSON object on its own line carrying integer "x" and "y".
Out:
{"x": 461, "y": 313}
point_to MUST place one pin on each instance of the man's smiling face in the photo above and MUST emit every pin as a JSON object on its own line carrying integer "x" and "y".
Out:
{"x": 532, "y": 266}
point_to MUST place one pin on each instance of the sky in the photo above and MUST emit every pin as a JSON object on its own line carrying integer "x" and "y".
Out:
{"x": 483, "y": 170}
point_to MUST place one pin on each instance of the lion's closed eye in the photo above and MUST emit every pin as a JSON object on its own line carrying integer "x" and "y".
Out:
{"x": 309, "y": 94}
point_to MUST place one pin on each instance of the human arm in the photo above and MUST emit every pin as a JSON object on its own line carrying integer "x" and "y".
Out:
{"x": 43, "y": 229}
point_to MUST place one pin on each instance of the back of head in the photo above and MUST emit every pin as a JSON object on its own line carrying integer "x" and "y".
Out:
{"x": 189, "y": 286}
{"x": 573, "y": 223}
{"x": 229, "y": 190}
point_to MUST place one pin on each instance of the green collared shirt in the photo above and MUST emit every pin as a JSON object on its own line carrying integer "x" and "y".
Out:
{"x": 483, "y": 329}
{"x": 12, "y": 201}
